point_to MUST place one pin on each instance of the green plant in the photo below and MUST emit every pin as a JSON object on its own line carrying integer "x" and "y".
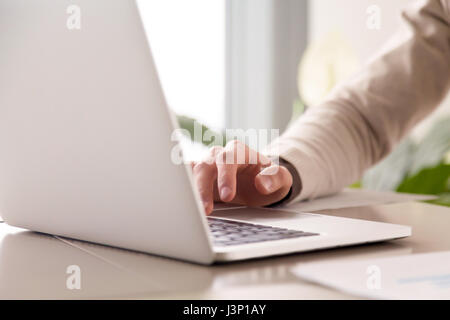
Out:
{"x": 434, "y": 180}
{"x": 189, "y": 126}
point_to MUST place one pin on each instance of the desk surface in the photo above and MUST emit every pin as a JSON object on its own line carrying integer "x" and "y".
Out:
{"x": 33, "y": 265}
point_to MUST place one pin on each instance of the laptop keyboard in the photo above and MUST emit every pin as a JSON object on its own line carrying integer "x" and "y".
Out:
{"x": 231, "y": 233}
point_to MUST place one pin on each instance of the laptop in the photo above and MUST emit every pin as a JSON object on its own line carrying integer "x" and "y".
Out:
{"x": 86, "y": 143}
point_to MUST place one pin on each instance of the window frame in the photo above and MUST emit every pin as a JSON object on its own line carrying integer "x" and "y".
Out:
{"x": 264, "y": 43}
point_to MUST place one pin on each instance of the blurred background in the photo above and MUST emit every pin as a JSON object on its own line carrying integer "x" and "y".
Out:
{"x": 260, "y": 63}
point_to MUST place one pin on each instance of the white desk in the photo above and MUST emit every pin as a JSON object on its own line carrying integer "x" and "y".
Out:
{"x": 34, "y": 265}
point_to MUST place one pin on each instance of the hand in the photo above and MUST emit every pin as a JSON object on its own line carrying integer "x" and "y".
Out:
{"x": 239, "y": 175}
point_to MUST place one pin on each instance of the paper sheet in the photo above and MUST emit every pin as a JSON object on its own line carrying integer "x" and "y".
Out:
{"x": 417, "y": 276}
{"x": 349, "y": 198}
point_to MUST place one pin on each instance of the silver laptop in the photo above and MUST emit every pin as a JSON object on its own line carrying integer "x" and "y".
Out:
{"x": 85, "y": 146}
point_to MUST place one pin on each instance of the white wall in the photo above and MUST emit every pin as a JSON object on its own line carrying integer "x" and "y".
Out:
{"x": 349, "y": 17}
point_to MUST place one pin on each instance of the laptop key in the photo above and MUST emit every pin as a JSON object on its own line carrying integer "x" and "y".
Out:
{"x": 231, "y": 233}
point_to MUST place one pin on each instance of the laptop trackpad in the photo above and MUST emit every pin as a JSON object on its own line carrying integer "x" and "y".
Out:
{"x": 268, "y": 216}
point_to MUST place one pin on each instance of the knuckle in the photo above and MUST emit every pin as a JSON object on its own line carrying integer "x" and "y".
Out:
{"x": 227, "y": 157}
{"x": 202, "y": 166}
{"x": 215, "y": 150}
{"x": 234, "y": 143}
{"x": 221, "y": 157}
{"x": 265, "y": 160}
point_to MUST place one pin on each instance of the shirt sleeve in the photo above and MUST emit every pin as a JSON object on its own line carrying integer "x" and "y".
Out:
{"x": 358, "y": 124}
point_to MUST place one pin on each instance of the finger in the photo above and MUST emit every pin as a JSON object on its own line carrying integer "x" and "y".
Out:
{"x": 204, "y": 177}
{"x": 226, "y": 180}
{"x": 228, "y": 162}
{"x": 205, "y": 174}
{"x": 234, "y": 156}
{"x": 272, "y": 179}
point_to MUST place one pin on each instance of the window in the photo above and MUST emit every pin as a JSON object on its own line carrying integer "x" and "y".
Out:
{"x": 188, "y": 44}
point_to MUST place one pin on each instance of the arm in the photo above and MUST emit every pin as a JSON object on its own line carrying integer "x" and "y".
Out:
{"x": 360, "y": 122}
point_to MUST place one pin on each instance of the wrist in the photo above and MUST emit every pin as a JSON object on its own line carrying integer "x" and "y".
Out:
{"x": 296, "y": 186}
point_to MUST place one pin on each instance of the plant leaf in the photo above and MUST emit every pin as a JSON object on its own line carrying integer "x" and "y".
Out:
{"x": 189, "y": 124}
{"x": 434, "y": 180}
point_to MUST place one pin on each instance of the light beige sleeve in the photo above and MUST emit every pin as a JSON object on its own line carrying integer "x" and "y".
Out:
{"x": 360, "y": 122}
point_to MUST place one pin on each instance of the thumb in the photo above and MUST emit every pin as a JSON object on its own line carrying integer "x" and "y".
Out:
{"x": 272, "y": 179}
